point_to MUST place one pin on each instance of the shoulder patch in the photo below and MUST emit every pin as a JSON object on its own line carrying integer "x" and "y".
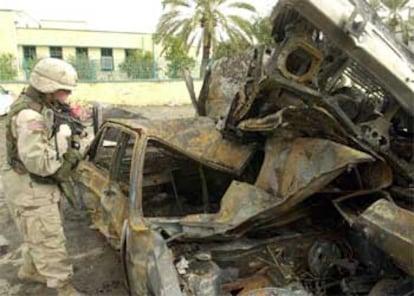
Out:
{"x": 36, "y": 126}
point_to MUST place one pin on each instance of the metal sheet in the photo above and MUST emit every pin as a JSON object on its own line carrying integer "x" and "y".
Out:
{"x": 227, "y": 77}
{"x": 197, "y": 138}
{"x": 293, "y": 170}
{"x": 150, "y": 264}
{"x": 392, "y": 229}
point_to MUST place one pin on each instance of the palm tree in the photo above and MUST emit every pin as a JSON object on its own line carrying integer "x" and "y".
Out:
{"x": 205, "y": 23}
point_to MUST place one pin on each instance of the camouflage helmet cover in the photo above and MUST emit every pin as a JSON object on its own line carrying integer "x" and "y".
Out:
{"x": 51, "y": 74}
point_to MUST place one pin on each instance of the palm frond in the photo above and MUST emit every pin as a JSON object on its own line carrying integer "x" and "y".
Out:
{"x": 395, "y": 5}
{"x": 175, "y": 3}
{"x": 242, "y": 24}
{"x": 243, "y": 5}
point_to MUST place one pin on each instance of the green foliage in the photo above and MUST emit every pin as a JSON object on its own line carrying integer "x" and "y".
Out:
{"x": 396, "y": 17}
{"x": 7, "y": 70}
{"x": 177, "y": 57}
{"x": 262, "y": 30}
{"x": 203, "y": 24}
{"x": 138, "y": 65}
{"x": 83, "y": 66}
{"x": 395, "y": 5}
{"x": 375, "y": 4}
{"x": 229, "y": 48}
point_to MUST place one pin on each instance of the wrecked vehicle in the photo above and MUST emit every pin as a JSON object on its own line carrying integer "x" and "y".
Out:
{"x": 199, "y": 205}
{"x": 296, "y": 178}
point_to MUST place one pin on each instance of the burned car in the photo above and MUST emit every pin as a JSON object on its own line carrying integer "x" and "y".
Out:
{"x": 188, "y": 208}
{"x": 295, "y": 178}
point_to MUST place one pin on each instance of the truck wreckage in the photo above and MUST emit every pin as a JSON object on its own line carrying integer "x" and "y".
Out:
{"x": 295, "y": 178}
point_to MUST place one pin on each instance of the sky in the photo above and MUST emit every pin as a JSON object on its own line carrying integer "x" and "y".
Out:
{"x": 120, "y": 15}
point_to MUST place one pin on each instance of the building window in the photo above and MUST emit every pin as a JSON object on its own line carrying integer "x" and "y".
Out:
{"x": 29, "y": 57}
{"x": 29, "y": 53}
{"x": 56, "y": 52}
{"x": 129, "y": 52}
{"x": 107, "y": 61}
{"x": 85, "y": 69}
{"x": 81, "y": 51}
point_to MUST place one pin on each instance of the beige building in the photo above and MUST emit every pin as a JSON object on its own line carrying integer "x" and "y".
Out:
{"x": 98, "y": 54}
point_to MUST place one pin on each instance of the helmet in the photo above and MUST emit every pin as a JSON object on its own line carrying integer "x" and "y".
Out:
{"x": 50, "y": 75}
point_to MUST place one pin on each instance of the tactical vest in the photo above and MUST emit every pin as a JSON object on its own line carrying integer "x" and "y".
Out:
{"x": 23, "y": 102}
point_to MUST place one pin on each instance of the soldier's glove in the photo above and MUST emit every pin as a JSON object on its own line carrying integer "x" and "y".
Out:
{"x": 70, "y": 160}
{"x": 72, "y": 156}
{"x": 63, "y": 174}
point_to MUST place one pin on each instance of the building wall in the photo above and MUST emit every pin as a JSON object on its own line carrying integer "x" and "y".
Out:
{"x": 43, "y": 38}
{"x": 8, "y": 38}
{"x": 62, "y": 24}
{"x": 94, "y": 53}
{"x": 68, "y": 52}
{"x": 82, "y": 38}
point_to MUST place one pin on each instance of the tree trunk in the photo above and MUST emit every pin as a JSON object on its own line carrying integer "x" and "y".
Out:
{"x": 206, "y": 53}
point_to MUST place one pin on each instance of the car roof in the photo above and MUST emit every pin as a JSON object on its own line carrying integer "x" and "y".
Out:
{"x": 197, "y": 137}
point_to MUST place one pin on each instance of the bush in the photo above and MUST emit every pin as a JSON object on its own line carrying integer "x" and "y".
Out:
{"x": 176, "y": 55}
{"x": 7, "y": 69}
{"x": 138, "y": 65}
{"x": 83, "y": 66}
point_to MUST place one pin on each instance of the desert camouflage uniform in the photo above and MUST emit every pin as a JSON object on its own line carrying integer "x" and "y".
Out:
{"x": 34, "y": 204}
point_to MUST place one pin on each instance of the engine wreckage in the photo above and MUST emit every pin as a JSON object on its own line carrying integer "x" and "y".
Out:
{"x": 332, "y": 107}
{"x": 309, "y": 191}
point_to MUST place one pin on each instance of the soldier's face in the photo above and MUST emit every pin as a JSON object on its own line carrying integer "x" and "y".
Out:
{"x": 62, "y": 95}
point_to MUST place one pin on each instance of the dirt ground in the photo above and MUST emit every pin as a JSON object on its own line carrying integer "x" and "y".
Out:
{"x": 97, "y": 266}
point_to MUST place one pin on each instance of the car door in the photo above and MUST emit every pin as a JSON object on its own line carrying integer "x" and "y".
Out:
{"x": 104, "y": 188}
{"x": 147, "y": 261}
{"x": 116, "y": 192}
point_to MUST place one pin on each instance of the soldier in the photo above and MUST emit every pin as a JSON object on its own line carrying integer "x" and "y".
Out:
{"x": 38, "y": 156}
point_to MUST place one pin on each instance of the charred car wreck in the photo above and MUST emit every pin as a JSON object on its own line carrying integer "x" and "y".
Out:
{"x": 295, "y": 178}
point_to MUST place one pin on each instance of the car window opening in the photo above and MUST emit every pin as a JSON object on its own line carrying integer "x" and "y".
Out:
{"x": 103, "y": 155}
{"x": 123, "y": 171}
{"x": 175, "y": 185}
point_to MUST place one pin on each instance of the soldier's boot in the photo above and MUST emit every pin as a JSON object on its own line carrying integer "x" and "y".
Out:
{"x": 30, "y": 274}
{"x": 68, "y": 290}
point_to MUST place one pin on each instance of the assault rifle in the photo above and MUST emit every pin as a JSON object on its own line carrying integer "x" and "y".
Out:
{"x": 62, "y": 114}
